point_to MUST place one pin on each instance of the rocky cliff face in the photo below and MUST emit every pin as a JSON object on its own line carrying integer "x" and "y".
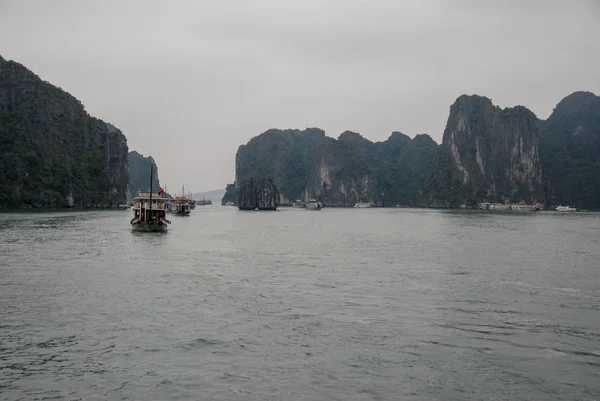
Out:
{"x": 570, "y": 150}
{"x": 139, "y": 173}
{"x": 258, "y": 194}
{"x": 399, "y": 164}
{"x": 283, "y": 155}
{"x": 487, "y": 153}
{"x": 339, "y": 175}
{"x": 53, "y": 153}
{"x": 308, "y": 164}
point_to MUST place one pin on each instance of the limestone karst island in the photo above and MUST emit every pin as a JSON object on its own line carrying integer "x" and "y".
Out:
{"x": 54, "y": 154}
{"x": 300, "y": 200}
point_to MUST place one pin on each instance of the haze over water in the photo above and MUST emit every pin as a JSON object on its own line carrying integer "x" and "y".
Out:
{"x": 343, "y": 304}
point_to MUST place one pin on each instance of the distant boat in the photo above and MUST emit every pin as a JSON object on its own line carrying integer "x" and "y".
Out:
{"x": 566, "y": 209}
{"x": 298, "y": 204}
{"x": 182, "y": 205}
{"x": 313, "y": 205}
{"x": 363, "y": 204}
{"x": 204, "y": 202}
{"x": 493, "y": 206}
{"x": 229, "y": 203}
{"x": 523, "y": 207}
{"x": 499, "y": 206}
{"x": 150, "y": 211}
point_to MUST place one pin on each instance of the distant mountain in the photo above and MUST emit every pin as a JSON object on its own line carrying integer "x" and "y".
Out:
{"x": 139, "y": 173}
{"x": 52, "y": 152}
{"x": 338, "y": 172}
{"x": 570, "y": 150}
{"x": 215, "y": 195}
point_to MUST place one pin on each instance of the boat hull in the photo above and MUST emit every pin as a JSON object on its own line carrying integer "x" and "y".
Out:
{"x": 523, "y": 209}
{"x": 565, "y": 209}
{"x": 145, "y": 227}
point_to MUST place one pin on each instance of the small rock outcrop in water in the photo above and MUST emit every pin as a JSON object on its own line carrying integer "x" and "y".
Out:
{"x": 261, "y": 194}
{"x": 486, "y": 153}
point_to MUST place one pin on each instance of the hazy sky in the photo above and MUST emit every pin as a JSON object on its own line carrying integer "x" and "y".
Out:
{"x": 189, "y": 81}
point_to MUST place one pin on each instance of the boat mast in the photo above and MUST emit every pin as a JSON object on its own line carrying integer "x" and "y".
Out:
{"x": 151, "y": 168}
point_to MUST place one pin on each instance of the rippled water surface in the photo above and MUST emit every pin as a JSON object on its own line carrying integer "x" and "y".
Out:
{"x": 341, "y": 304}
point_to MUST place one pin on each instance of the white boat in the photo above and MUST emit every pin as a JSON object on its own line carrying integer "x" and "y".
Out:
{"x": 566, "y": 209}
{"x": 484, "y": 205}
{"x": 313, "y": 205}
{"x": 363, "y": 204}
{"x": 498, "y": 206}
{"x": 229, "y": 203}
{"x": 298, "y": 204}
{"x": 150, "y": 210}
{"x": 523, "y": 207}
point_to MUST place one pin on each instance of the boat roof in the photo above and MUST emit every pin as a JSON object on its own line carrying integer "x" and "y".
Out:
{"x": 143, "y": 196}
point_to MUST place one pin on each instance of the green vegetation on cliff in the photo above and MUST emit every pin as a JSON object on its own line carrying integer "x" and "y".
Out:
{"x": 487, "y": 153}
{"x": 230, "y": 194}
{"x": 570, "y": 151}
{"x": 340, "y": 175}
{"x": 139, "y": 173}
{"x": 400, "y": 164}
{"x": 52, "y": 153}
{"x": 339, "y": 172}
{"x": 285, "y": 156}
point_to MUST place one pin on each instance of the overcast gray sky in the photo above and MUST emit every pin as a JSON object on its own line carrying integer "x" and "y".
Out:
{"x": 189, "y": 81}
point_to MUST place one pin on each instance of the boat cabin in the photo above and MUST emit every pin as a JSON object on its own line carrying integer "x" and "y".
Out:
{"x": 146, "y": 210}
